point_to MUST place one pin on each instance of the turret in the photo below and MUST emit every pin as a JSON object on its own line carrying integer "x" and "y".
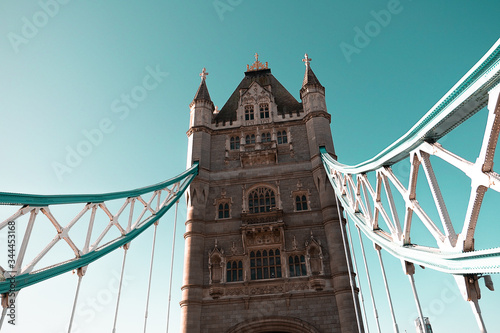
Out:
{"x": 201, "y": 111}
{"x": 312, "y": 92}
{"x": 316, "y": 116}
{"x": 202, "y": 106}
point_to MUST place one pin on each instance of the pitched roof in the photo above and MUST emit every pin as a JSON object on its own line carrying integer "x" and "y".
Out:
{"x": 310, "y": 78}
{"x": 285, "y": 101}
{"x": 202, "y": 93}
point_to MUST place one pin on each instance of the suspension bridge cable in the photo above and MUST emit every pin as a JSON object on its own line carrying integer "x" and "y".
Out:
{"x": 477, "y": 313}
{"x": 80, "y": 275}
{"x": 172, "y": 265}
{"x": 357, "y": 277}
{"x": 348, "y": 266}
{"x": 369, "y": 281}
{"x": 417, "y": 302}
{"x": 5, "y": 300}
{"x": 125, "y": 247}
{"x": 150, "y": 275}
{"x": 396, "y": 330}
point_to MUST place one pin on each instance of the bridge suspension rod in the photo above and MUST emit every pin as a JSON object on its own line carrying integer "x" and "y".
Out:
{"x": 348, "y": 263}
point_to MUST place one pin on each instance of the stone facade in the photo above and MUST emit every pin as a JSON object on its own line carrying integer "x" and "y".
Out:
{"x": 263, "y": 245}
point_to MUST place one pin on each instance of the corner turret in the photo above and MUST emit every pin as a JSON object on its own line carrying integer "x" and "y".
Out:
{"x": 316, "y": 116}
{"x": 201, "y": 113}
{"x": 312, "y": 92}
{"x": 202, "y": 106}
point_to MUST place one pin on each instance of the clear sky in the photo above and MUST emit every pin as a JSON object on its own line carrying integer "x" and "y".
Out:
{"x": 67, "y": 68}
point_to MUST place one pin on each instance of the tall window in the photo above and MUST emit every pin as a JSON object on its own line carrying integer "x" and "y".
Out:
{"x": 297, "y": 266}
{"x": 250, "y": 139}
{"x": 282, "y": 137}
{"x": 235, "y": 142}
{"x": 261, "y": 200}
{"x": 223, "y": 210}
{"x": 249, "y": 112}
{"x": 265, "y": 264}
{"x": 300, "y": 202}
{"x": 266, "y": 137}
{"x": 264, "y": 110}
{"x": 234, "y": 271}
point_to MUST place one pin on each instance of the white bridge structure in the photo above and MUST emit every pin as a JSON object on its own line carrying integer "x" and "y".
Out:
{"x": 378, "y": 203}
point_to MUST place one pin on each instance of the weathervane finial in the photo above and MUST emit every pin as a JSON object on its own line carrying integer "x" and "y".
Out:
{"x": 203, "y": 73}
{"x": 306, "y": 60}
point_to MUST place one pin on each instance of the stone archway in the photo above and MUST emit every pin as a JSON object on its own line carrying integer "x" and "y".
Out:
{"x": 273, "y": 325}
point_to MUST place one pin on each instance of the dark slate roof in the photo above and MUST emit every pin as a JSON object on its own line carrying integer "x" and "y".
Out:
{"x": 310, "y": 78}
{"x": 285, "y": 101}
{"x": 202, "y": 93}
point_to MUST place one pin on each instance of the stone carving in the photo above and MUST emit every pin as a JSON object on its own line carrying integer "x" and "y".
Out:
{"x": 216, "y": 264}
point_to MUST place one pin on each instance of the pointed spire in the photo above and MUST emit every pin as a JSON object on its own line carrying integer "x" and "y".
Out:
{"x": 309, "y": 77}
{"x": 202, "y": 93}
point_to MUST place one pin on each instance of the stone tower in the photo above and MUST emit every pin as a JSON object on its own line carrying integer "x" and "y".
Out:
{"x": 263, "y": 244}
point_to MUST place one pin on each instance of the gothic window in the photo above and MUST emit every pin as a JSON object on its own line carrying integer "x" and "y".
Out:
{"x": 261, "y": 200}
{"x": 223, "y": 210}
{"x": 222, "y": 207}
{"x": 265, "y": 264}
{"x": 235, "y": 142}
{"x": 234, "y": 271}
{"x": 300, "y": 202}
{"x": 282, "y": 137}
{"x": 297, "y": 265}
{"x": 264, "y": 110}
{"x": 249, "y": 112}
{"x": 266, "y": 137}
{"x": 249, "y": 139}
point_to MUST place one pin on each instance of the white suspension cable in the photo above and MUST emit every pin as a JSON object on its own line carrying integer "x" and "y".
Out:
{"x": 477, "y": 314}
{"x": 417, "y": 302}
{"x": 357, "y": 277}
{"x": 348, "y": 266}
{"x": 80, "y": 275}
{"x": 395, "y": 324}
{"x": 125, "y": 247}
{"x": 150, "y": 275}
{"x": 375, "y": 313}
{"x": 172, "y": 265}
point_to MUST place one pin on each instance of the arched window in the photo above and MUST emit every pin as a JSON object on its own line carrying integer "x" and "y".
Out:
{"x": 265, "y": 264}
{"x": 264, "y": 110}
{"x": 235, "y": 142}
{"x": 249, "y": 112}
{"x": 223, "y": 210}
{"x": 300, "y": 202}
{"x": 297, "y": 265}
{"x": 282, "y": 137}
{"x": 249, "y": 139}
{"x": 234, "y": 271}
{"x": 266, "y": 137}
{"x": 261, "y": 200}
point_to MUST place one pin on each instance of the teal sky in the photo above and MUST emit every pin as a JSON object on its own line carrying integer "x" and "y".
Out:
{"x": 66, "y": 74}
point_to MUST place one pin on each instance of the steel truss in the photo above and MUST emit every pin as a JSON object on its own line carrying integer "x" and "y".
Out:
{"x": 455, "y": 252}
{"x": 163, "y": 196}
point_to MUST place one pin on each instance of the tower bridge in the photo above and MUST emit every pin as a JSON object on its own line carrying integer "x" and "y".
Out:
{"x": 270, "y": 214}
